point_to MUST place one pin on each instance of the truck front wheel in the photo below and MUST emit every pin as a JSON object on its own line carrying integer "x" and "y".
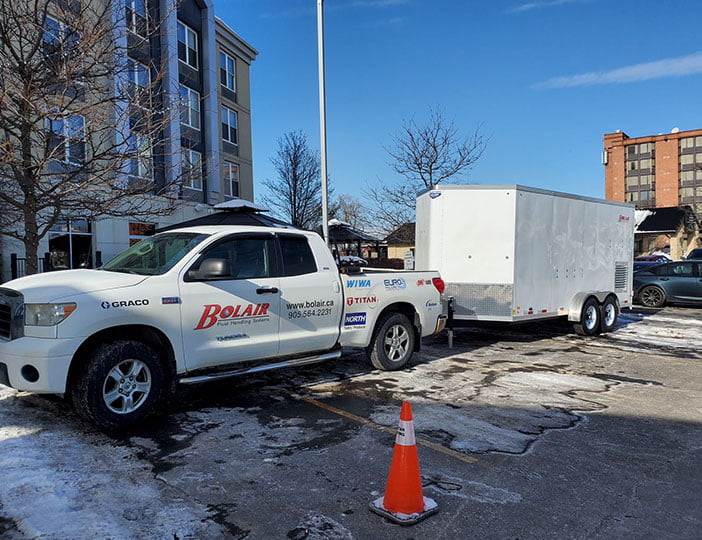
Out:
{"x": 120, "y": 384}
{"x": 393, "y": 342}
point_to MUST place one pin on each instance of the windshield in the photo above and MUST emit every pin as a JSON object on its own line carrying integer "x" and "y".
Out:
{"x": 155, "y": 255}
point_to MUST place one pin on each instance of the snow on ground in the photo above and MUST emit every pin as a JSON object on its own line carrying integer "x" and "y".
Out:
{"x": 57, "y": 481}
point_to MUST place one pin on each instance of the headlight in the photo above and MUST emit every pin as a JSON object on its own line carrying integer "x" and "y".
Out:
{"x": 47, "y": 314}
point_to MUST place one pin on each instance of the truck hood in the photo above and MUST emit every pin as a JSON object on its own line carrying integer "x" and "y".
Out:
{"x": 52, "y": 286}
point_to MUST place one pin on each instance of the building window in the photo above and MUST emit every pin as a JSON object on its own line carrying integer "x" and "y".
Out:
{"x": 227, "y": 71}
{"x": 192, "y": 169}
{"x": 138, "y": 73}
{"x": 687, "y": 159}
{"x": 229, "y": 126}
{"x": 60, "y": 50}
{"x": 230, "y": 177}
{"x": 67, "y": 138}
{"x": 687, "y": 142}
{"x": 136, "y": 17}
{"x": 70, "y": 244}
{"x": 139, "y": 231}
{"x": 140, "y": 159}
{"x": 190, "y": 115}
{"x": 187, "y": 45}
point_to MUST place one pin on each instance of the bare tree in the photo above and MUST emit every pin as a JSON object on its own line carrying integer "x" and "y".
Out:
{"x": 425, "y": 155}
{"x": 296, "y": 194}
{"x": 352, "y": 211}
{"x": 81, "y": 123}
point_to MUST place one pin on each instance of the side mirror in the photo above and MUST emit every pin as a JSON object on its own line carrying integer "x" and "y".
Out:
{"x": 212, "y": 269}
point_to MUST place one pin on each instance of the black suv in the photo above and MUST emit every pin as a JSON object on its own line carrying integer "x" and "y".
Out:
{"x": 695, "y": 254}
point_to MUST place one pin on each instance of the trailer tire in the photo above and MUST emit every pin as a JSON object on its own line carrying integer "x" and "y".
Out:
{"x": 609, "y": 311}
{"x": 121, "y": 383}
{"x": 652, "y": 296}
{"x": 589, "y": 323}
{"x": 392, "y": 344}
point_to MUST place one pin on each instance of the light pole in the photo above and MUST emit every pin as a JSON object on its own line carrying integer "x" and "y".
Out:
{"x": 322, "y": 119}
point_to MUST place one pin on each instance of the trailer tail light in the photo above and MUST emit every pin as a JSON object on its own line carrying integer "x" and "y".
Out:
{"x": 439, "y": 284}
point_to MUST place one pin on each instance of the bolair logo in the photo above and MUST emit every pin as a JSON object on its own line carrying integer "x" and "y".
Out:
{"x": 355, "y": 319}
{"x": 358, "y": 283}
{"x": 622, "y": 218}
{"x": 215, "y": 313}
{"x": 396, "y": 284}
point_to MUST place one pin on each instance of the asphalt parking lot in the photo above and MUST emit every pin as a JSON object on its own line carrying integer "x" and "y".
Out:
{"x": 523, "y": 432}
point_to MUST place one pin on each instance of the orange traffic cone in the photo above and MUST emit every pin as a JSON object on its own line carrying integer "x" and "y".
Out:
{"x": 404, "y": 502}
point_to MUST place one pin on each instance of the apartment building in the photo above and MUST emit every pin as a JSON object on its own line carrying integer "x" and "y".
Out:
{"x": 205, "y": 65}
{"x": 654, "y": 171}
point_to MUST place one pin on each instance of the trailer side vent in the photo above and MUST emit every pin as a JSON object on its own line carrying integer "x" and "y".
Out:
{"x": 621, "y": 277}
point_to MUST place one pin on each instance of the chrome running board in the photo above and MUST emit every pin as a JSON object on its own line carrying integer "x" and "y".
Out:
{"x": 262, "y": 367}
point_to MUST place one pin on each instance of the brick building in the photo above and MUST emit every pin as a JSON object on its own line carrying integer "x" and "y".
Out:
{"x": 655, "y": 171}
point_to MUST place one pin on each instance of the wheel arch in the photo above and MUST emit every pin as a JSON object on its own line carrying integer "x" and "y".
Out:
{"x": 408, "y": 310}
{"x": 578, "y": 301}
{"x": 149, "y": 335}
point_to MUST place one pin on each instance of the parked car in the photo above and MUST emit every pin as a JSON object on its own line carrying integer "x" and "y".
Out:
{"x": 679, "y": 281}
{"x": 652, "y": 258}
{"x": 642, "y": 265}
{"x": 694, "y": 254}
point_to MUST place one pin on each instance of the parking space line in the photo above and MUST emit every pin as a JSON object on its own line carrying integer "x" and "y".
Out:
{"x": 350, "y": 416}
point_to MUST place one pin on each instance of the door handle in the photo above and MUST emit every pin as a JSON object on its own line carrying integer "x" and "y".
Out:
{"x": 665, "y": 279}
{"x": 267, "y": 290}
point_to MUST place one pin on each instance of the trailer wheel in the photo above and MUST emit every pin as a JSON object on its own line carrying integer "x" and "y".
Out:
{"x": 652, "y": 296}
{"x": 120, "y": 384}
{"x": 392, "y": 343}
{"x": 608, "y": 314}
{"x": 589, "y": 323}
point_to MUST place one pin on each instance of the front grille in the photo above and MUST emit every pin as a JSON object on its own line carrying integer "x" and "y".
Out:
{"x": 5, "y": 321}
{"x": 11, "y": 314}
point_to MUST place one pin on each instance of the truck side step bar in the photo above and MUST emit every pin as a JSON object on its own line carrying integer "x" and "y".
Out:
{"x": 261, "y": 367}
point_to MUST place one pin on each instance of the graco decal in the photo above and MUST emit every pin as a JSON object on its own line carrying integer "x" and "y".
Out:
{"x": 125, "y": 303}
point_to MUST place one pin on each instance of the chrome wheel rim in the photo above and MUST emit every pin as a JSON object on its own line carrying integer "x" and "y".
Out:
{"x": 610, "y": 314}
{"x": 591, "y": 317}
{"x": 126, "y": 386}
{"x": 396, "y": 342}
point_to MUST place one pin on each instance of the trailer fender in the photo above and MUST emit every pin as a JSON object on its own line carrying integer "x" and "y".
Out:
{"x": 576, "y": 304}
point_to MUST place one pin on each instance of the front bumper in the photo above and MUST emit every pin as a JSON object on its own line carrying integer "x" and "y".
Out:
{"x": 37, "y": 364}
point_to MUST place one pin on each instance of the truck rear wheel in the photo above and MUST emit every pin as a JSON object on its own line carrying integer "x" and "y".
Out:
{"x": 393, "y": 342}
{"x": 608, "y": 314}
{"x": 589, "y": 323}
{"x": 120, "y": 384}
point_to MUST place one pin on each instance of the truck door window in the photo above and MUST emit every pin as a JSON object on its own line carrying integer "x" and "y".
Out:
{"x": 297, "y": 256}
{"x": 249, "y": 257}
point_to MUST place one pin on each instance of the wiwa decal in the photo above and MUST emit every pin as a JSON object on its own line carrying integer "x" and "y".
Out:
{"x": 355, "y": 319}
{"x": 214, "y": 313}
{"x": 358, "y": 283}
{"x": 395, "y": 284}
{"x": 370, "y": 300}
{"x": 125, "y": 303}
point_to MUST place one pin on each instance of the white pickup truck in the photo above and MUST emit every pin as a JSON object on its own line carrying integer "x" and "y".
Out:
{"x": 202, "y": 303}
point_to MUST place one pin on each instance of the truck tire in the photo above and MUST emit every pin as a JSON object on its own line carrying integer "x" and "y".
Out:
{"x": 589, "y": 323}
{"x": 652, "y": 296}
{"x": 121, "y": 383}
{"x": 392, "y": 344}
{"x": 608, "y": 314}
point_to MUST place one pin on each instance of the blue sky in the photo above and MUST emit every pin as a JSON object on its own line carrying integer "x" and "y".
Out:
{"x": 546, "y": 78}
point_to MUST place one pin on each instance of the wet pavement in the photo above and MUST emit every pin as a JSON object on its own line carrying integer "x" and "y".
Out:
{"x": 525, "y": 431}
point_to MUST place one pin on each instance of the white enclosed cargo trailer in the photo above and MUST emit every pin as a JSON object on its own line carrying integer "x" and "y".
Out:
{"x": 515, "y": 253}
